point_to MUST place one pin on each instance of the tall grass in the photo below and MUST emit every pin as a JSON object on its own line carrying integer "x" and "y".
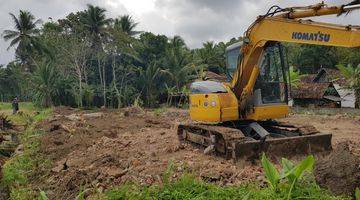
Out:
{"x": 188, "y": 187}
{"x": 18, "y": 169}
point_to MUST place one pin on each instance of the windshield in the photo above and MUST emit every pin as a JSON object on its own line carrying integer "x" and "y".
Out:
{"x": 232, "y": 58}
{"x": 271, "y": 84}
{"x": 206, "y": 87}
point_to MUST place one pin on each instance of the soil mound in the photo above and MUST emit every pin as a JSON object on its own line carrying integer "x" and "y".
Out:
{"x": 340, "y": 171}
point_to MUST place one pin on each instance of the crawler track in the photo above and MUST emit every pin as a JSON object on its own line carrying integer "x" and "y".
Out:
{"x": 233, "y": 143}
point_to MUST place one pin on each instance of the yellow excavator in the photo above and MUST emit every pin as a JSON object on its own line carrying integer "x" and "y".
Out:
{"x": 236, "y": 119}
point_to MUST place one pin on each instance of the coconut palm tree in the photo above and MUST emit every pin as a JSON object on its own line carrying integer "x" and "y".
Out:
{"x": 212, "y": 56}
{"x": 177, "y": 57}
{"x": 45, "y": 82}
{"x": 150, "y": 82}
{"x": 24, "y": 35}
{"x": 126, "y": 24}
{"x": 95, "y": 21}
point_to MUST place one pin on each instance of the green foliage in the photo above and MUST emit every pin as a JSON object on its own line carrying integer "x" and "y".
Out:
{"x": 294, "y": 77}
{"x": 308, "y": 59}
{"x": 126, "y": 24}
{"x": 19, "y": 168}
{"x": 159, "y": 111}
{"x": 88, "y": 59}
{"x": 357, "y": 194}
{"x": 289, "y": 170}
{"x": 81, "y": 195}
{"x": 352, "y": 75}
{"x": 10, "y": 82}
{"x": 271, "y": 173}
{"x": 45, "y": 82}
{"x": 188, "y": 187}
{"x": 43, "y": 196}
{"x": 22, "y": 194}
{"x": 24, "y": 36}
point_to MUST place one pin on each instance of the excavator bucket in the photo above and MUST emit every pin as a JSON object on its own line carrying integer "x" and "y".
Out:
{"x": 232, "y": 143}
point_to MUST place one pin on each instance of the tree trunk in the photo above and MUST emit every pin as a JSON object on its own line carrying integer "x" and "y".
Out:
{"x": 115, "y": 84}
{"x": 79, "y": 74}
{"x": 357, "y": 99}
{"x": 104, "y": 86}
{"x": 100, "y": 74}
{"x": 80, "y": 91}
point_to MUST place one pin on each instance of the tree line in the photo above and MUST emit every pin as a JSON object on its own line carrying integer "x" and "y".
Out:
{"x": 87, "y": 59}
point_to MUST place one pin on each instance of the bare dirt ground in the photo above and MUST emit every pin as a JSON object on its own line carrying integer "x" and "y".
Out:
{"x": 342, "y": 128}
{"x": 108, "y": 148}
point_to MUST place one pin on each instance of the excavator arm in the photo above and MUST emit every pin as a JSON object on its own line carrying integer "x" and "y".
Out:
{"x": 288, "y": 27}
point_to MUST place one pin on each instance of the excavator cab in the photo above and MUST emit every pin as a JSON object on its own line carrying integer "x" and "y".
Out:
{"x": 272, "y": 83}
{"x": 271, "y": 90}
{"x": 233, "y": 57}
{"x": 214, "y": 102}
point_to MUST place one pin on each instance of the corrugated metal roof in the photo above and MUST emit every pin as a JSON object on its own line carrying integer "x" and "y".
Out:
{"x": 331, "y": 75}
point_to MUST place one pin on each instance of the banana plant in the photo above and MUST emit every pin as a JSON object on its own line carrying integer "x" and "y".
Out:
{"x": 289, "y": 171}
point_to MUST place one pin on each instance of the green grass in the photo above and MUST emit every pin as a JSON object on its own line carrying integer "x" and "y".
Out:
{"x": 20, "y": 168}
{"x": 160, "y": 111}
{"x": 190, "y": 188}
{"x": 30, "y": 112}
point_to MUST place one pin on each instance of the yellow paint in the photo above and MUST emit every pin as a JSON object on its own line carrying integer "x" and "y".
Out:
{"x": 268, "y": 112}
{"x": 213, "y": 108}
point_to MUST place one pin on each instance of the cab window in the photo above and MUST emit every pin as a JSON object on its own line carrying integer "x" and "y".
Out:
{"x": 232, "y": 57}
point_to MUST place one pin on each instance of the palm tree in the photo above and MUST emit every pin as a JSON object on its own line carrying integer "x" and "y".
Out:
{"x": 24, "y": 34}
{"x": 150, "y": 82}
{"x": 126, "y": 24}
{"x": 177, "y": 61}
{"x": 95, "y": 21}
{"x": 352, "y": 75}
{"x": 45, "y": 80}
{"x": 212, "y": 56}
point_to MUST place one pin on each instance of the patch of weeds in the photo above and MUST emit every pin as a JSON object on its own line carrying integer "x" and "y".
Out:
{"x": 22, "y": 194}
{"x": 160, "y": 111}
{"x": 27, "y": 112}
{"x": 5, "y": 106}
{"x": 19, "y": 169}
{"x": 190, "y": 187}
